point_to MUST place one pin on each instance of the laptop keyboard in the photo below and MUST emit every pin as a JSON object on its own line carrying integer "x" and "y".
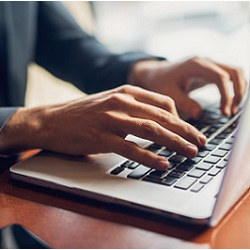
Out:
{"x": 190, "y": 174}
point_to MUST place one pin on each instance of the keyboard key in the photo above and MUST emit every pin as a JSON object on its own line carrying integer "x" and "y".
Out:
{"x": 230, "y": 140}
{"x": 208, "y": 147}
{"x": 196, "y": 188}
{"x": 212, "y": 159}
{"x": 193, "y": 161}
{"x": 185, "y": 183}
{"x": 185, "y": 167}
{"x": 227, "y": 157}
{"x": 206, "y": 179}
{"x": 158, "y": 174}
{"x": 196, "y": 173}
{"x": 204, "y": 166}
{"x": 117, "y": 170}
{"x": 225, "y": 146}
{"x": 209, "y": 119}
{"x": 221, "y": 136}
{"x": 176, "y": 174}
{"x": 224, "y": 120}
{"x": 176, "y": 158}
{"x": 215, "y": 141}
{"x": 203, "y": 153}
{"x": 171, "y": 165}
{"x": 214, "y": 171}
{"x": 218, "y": 125}
{"x": 165, "y": 152}
{"x": 154, "y": 146}
{"x": 211, "y": 130}
{"x": 153, "y": 150}
{"x": 219, "y": 152}
{"x": 126, "y": 164}
{"x": 215, "y": 116}
{"x": 229, "y": 129}
{"x": 133, "y": 165}
{"x": 139, "y": 172}
{"x": 221, "y": 164}
{"x": 196, "y": 159}
{"x": 168, "y": 181}
{"x": 234, "y": 125}
{"x": 152, "y": 179}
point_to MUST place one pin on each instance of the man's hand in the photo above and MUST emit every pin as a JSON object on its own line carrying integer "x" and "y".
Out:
{"x": 174, "y": 80}
{"x": 99, "y": 123}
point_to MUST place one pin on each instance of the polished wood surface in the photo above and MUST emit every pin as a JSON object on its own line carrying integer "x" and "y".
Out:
{"x": 71, "y": 222}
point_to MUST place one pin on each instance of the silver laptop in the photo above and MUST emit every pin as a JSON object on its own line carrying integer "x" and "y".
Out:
{"x": 201, "y": 190}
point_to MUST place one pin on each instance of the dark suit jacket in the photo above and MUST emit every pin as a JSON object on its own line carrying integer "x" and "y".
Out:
{"x": 45, "y": 33}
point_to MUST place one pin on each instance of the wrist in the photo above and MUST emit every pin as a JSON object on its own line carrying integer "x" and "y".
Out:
{"x": 143, "y": 72}
{"x": 23, "y": 131}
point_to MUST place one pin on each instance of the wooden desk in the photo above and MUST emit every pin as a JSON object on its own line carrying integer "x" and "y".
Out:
{"x": 67, "y": 222}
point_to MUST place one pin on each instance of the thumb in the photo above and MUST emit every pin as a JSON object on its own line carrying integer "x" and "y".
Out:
{"x": 186, "y": 105}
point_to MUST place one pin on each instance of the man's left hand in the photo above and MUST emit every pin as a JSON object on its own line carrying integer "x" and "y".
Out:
{"x": 176, "y": 80}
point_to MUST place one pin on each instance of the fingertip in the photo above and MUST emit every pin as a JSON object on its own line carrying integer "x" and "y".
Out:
{"x": 191, "y": 150}
{"x": 235, "y": 110}
{"x": 162, "y": 164}
{"x": 226, "y": 111}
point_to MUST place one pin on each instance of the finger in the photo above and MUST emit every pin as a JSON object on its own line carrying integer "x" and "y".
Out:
{"x": 152, "y": 98}
{"x": 187, "y": 105}
{"x": 150, "y": 130}
{"x": 239, "y": 84}
{"x": 210, "y": 71}
{"x": 168, "y": 121}
{"x": 133, "y": 152}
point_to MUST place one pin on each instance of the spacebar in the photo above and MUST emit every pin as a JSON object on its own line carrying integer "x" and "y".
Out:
{"x": 185, "y": 183}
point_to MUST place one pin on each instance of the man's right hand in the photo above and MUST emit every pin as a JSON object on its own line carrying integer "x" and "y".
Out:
{"x": 99, "y": 123}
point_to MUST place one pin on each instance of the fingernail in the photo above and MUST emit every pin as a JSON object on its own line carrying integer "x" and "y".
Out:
{"x": 202, "y": 139}
{"x": 191, "y": 150}
{"x": 162, "y": 164}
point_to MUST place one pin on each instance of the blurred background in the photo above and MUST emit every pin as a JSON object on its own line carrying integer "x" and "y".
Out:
{"x": 174, "y": 29}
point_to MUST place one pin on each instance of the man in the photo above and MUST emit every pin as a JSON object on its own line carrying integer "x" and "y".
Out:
{"x": 45, "y": 33}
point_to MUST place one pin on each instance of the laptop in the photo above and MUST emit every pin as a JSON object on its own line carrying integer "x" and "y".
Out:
{"x": 199, "y": 190}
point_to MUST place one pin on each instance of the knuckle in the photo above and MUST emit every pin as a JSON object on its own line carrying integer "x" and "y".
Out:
{"x": 148, "y": 127}
{"x": 115, "y": 100}
{"x": 224, "y": 77}
{"x": 196, "y": 59}
{"x": 170, "y": 103}
{"x": 126, "y": 89}
{"x": 165, "y": 118}
{"x": 238, "y": 71}
{"x": 176, "y": 140}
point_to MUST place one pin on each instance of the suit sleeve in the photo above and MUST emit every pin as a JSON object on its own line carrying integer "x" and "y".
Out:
{"x": 65, "y": 50}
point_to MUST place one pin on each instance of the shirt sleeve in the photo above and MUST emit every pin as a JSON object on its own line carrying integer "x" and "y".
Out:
{"x": 69, "y": 53}
{"x": 5, "y": 114}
